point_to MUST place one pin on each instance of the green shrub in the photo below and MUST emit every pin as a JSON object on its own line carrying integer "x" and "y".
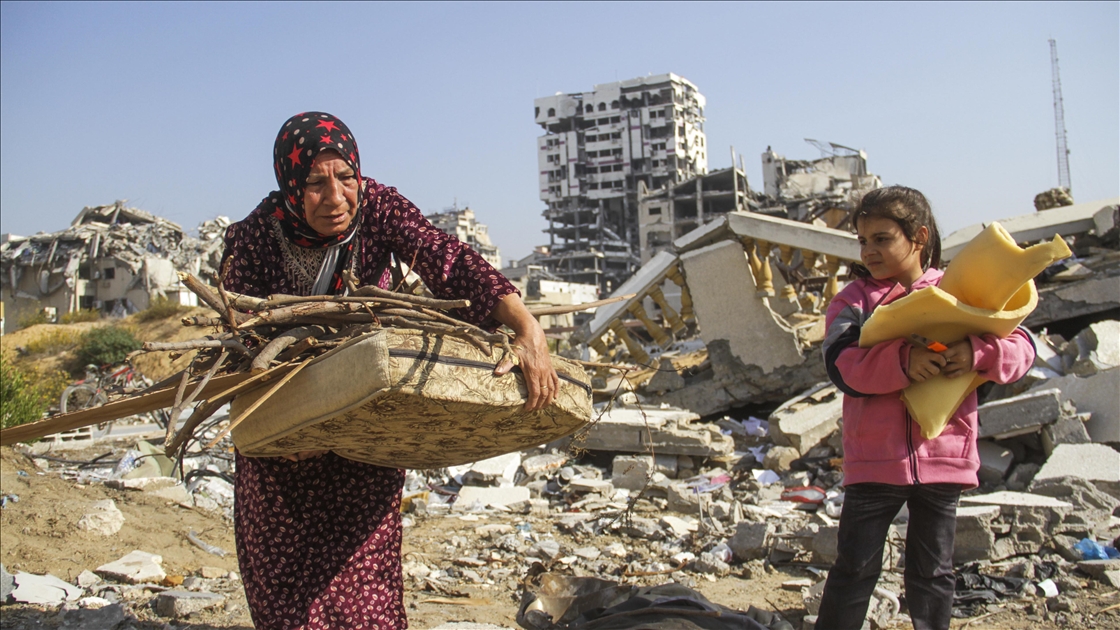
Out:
{"x": 32, "y": 318}
{"x": 20, "y": 400}
{"x": 161, "y": 308}
{"x": 81, "y": 315}
{"x": 107, "y": 345}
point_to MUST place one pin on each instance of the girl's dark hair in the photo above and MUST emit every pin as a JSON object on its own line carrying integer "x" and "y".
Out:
{"x": 910, "y": 210}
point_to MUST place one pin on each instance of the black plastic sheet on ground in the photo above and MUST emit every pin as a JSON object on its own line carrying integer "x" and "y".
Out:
{"x": 974, "y": 590}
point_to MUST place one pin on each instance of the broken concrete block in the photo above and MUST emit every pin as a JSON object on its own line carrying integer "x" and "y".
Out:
{"x": 43, "y": 589}
{"x": 708, "y": 563}
{"x": 779, "y": 458}
{"x": 599, "y": 486}
{"x": 804, "y": 421}
{"x": 679, "y": 526}
{"x": 1111, "y": 578}
{"x": 1025, "y": 413}
{"x": 664, "y": 431}
{"x": 1096, "y": 568}
{"x": 824, "y": 545}
{"x": 1028, "y": 521}
{"x": 87, "y": 579}
{"x": 975, "y": 538}
{"x": 631, "y": 471}
{"x": 539, "y": 464}
{"x": 176, "y": 494}
{"x": 494, "y": 471}
{"x": 7, "y": 585}
{"x": 995, "y": 461}
{"x": 102, "y": 518}
{"x": 682, "y": 499}
{"x": 640, "y": 527}
{"x": 1095, "y": 395}
{"x": 751, "y": 540}
{"x": 724, "y": 297}
{"x": 137, "y": 567}
{"x": 1093, "y": 508}
{"x": 1065, "y": 430}
{"x": 1021, "y": 476}
{"x": 1098, "y": 348}
{"x": 546, "y": 549}
{"x": 468, "y": 495}
{"x": 666, "y": 379}
{"x": 182, "y": 603}
{"x": 1097, "y": 463}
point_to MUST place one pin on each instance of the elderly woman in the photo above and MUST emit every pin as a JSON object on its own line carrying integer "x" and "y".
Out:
{"x": 318, "y": 536}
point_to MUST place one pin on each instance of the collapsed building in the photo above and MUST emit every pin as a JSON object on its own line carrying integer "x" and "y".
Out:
{"x": 112, "y": 259}
{"x": 463, "y": 225}
{"x": 597, "y": 147}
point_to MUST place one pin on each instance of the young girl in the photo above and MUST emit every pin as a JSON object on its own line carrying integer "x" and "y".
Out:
{"x": 887, "y": 462}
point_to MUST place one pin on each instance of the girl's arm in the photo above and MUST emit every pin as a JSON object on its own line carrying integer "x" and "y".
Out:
{"x": 856, "y": 371}
{"x": 1002, "y": 360}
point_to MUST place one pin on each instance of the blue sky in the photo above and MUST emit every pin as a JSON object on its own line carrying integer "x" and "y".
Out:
{"x": 175, "y": 106}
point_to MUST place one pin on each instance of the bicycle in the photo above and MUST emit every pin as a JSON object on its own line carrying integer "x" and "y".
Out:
{"x": 99, "y": 383}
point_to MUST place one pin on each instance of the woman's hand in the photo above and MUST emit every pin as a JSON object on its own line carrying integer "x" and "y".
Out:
{"x": 302, "y": 455}
{"x": 958, "y": 358}
{"x": 924, "y": 364}
{"x": 532, "y": 352}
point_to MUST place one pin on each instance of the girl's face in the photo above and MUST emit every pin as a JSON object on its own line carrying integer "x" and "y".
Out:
{"x": 887, "y": 253}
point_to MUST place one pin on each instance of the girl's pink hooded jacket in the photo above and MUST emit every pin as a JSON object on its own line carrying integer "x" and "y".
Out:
{"x": 882, "y": 444}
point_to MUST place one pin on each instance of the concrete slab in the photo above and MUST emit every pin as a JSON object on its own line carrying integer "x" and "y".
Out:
{"x": 779, "y": 231}
{"x": 631, "y": 471}
{"x": 1097, "y": 395}
{"x": 1066, "y": 430}
{"x": 134, "y": 568}
{"x": 804, "y": 421}
{"x": 1098, "y": 348}
{"x": 649, "y": 275}
{"x": 43, "y": 589}
{"x": 975, "y": 538}
{"x": 176, "y": 603}
{"x": 1033, "y": 226}
{"x": 1097, "y": 463}
{"x": 468, "y": 495}
{"x": 664, "y": 431}
{"x": 1025, "y": 413}
{"x": 723, "y": 296}
{"x": 1018, "y": 499}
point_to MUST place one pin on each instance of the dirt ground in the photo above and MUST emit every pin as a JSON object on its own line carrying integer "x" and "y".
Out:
{"x": 40, "y": 535}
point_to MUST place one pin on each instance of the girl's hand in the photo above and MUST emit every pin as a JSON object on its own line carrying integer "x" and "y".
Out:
{"x": 958, "y": 358}
{"x": 924, "y": 364}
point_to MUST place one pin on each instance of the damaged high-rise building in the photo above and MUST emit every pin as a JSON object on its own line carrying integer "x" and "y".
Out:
{"x": 598, "y": 145}
{"x": 466, "y": 228}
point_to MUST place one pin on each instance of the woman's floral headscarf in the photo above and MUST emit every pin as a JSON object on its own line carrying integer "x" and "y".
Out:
{"x": 302, "y": 138}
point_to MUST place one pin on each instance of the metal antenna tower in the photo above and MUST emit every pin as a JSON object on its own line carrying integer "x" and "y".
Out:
{"x": 1059, "y": 120}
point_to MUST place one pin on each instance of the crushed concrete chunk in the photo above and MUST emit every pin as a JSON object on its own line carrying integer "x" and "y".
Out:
{"x": 178, "y": 603}
{"x": 468, "y": 495}
{"x": 805, "y": 421}
{"x": 975, "y": 539}
{"x": 1096, "y": 568}
{"x": 136, "y": 567}
{"x": 1098, "y": 348}
{"x": 631, "y": 471}
{"x": 995, "y": 461}
{"x": 751, "y": 540}
{"x": 1068, "y": 429}
{"x": 1095, "y": 395}
{"x": 43, "y": 589}
{"x": 7, "y": 585}
{"x": 1025, "y": 413}
{"x": 102, "y": 518}
{"x": 1095, "y": 462}
{"x": 779, "y": 458}
{"x": 666, "y": 431}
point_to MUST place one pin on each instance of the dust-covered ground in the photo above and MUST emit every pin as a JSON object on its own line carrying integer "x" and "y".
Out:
{"x": 40, "y": 535}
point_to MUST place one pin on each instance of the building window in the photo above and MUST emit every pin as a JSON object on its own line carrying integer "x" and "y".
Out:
{"x": 602, "y": 107}
{"x": 592, "y": 169}
{"x": 109, "y": 273}
{"x": 614, "y": 104}
{"x": 604, "y": 121}
{"x": 85, "y": 302}
{"x": 616, "y": 119}
{"x": 551, "y": 112}
{"x": 591, "y": 138}
{"x": 616, "y": 136}
{"x": 617, "y": 167}
{"x": 616, "y": 152}
{"x": 593, "y": 186}
{"x": 589, "y": 109}
{"x": 655, "y": 210}
{"x": 536, "y": 112}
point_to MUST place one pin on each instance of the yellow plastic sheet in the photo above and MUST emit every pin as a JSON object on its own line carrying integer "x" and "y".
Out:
{"x": 987, "y": 288}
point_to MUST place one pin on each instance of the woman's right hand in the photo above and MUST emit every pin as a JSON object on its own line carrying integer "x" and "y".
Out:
{"x": 302, "y": 455}
{"x": 924, "y": 364}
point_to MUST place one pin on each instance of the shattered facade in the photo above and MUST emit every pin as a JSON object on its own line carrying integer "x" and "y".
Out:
{"x": 541, "y": 288}
{"x": 821, "y": 188}
{"x": 597, "y": 147}
{"x": 466, "y": 228}
{"x": 112, "y": 258}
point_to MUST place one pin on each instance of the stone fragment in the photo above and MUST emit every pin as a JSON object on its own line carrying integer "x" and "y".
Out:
{"x": 1093, "y": 508}
{"x": 631, "y": 471}
{"x": 682, "y": 499}
{"x": 546, "y": 549}
{"x": 995, "y": 461}
{"x": 494, "y": 471}
{"x": 176, "y": 494}
{"x": 146, "y": 484}
{"x": 102, "y": 518}
{"x": 540, "y": 464}
{"x": 751, "y": 540}
{"x": 212, "y": 573}
{"x": 975, "y": 539}
{"x": 1068, "y": 429}
{"x": 587, "y": 553}
{"x": 679, "y": 526}
{"x": 96, "y": 613}
{"x": 1021, "y": 476}
{"x": 1096, "y": 568}
{"x": 468, "y": 495}
{"x": 136, "y": 567}
{"x": 804, "y": 421}
{"x": 824, "y": 545}
{"x": 709, "y": 564}
{"x": 639, "y": 527}
{"x": 43, "y": 589}
{"x": 1095, "y": 395}
{"x": 178, "y": 603}
{"x": 1098, "y": 348}
{"x": 598, "y": 486}
{"x": 87, "y": 579}
{"x": 1111, "y": 578}
{"x": 779, "y": 458}
{"x": 1025, "y": 413}
{"x": 1097, "y": 463}
{"x": 665, "y": 431}
{"x": 666, "y": 379}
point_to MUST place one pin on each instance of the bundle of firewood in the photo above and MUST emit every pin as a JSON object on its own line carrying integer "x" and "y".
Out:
{"x": 281, "y": 333}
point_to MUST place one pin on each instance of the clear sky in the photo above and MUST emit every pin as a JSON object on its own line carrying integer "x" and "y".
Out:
{"x": 175, "y": 106}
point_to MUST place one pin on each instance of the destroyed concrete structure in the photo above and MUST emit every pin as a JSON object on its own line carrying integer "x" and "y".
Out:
{"x": 112, "y": 258}
{"x": 597, "y": 147}
{"x": 463, "y": 225}
{"x": 808, "y": 189}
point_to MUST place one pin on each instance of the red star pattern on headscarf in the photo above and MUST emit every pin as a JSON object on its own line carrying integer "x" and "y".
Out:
{"x": 327, "y": 124}
{"x": 294, "y": 156}
{"x": 325, "y": 139}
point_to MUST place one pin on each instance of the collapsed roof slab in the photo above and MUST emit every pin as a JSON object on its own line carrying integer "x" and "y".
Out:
{"x": 774, "y": 230}
{"x": 648, "y": 276}
{"x": 1035, "y": 226}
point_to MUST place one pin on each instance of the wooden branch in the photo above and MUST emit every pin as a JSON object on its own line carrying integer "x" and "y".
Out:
{"x": 207, "y": 294}
{"x": 276, "y": 346}
{"x": 371, "y": 290}
{"x": 198, "y": 320}
{"x": 181, "y": 403}
{"x": 195, "y": 344}
{"x": 575, "y": 308}
{"x": 290, "y": 314}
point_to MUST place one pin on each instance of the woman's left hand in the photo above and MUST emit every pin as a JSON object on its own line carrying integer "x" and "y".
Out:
{"x": 531, "y": 347}
{"x": 302, "y": 455}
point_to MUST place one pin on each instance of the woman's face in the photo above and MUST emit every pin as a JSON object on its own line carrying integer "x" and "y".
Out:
{"x": 330, "y": 197}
